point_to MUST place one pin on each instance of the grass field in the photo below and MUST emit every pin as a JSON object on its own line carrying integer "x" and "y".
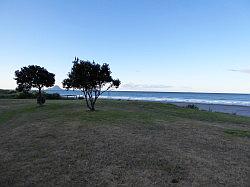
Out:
{"x": 122, "y": 143}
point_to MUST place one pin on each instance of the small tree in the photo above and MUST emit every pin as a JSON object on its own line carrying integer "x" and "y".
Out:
{"x": 34, "y": 77}
{"x": 92, "y": 79}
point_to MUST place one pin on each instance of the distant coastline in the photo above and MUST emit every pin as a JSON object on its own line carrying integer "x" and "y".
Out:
{"x": 169, "y": 97}
{"x": 237, "y": 104}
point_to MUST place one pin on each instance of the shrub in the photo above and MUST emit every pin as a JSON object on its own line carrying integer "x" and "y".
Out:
{"x": 34, "y": 76}
{"x": 53, "y": 96}
{"x": 26, "y": 95}
{"x": 192, "y": 106}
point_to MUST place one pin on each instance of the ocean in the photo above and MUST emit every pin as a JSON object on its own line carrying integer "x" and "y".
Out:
{"x": 205, "y": 98}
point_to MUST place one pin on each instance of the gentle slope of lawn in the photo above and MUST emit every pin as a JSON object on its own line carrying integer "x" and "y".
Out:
{"x": 112, "y": 109}
{"x": 123, "y": 142}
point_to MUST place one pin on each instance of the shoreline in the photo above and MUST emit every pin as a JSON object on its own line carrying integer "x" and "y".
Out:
{"x": 238, "y": 110}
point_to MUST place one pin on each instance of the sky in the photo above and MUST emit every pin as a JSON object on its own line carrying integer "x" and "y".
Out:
{"x": 151, "y": 45}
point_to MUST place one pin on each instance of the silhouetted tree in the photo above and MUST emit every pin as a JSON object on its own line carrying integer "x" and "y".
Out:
{"x": 34, "y": 77}
{"x": 92, "y": 79}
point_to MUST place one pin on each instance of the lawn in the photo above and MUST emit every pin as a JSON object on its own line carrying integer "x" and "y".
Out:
{"x": 123, "y": 143}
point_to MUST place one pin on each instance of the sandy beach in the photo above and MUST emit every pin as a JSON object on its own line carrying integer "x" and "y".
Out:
{"x": 230, "y": 109}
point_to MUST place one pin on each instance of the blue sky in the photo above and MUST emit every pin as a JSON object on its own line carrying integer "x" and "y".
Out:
{"x": 156, "y": 45}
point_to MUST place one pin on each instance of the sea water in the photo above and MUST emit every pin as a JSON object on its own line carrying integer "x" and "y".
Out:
{"x": 207, "y": 98}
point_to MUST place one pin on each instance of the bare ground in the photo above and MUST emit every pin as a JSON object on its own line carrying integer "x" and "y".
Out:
{"x": 38, "y": 148}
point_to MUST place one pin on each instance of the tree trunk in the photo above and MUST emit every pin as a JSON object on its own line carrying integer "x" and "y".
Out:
{"x": 40, "y": 99}
{"x": 89, "y": 105}
{"x": 40, "y": 92}
{"x": 86, "y": 100}
{"x": 92, "y": 107}
{"x": 90, "y": 101}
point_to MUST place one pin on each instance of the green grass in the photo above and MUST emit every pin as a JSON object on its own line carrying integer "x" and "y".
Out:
{"x": 15, "y": 112}
{"x": 237, "y": 133}
{"x": 112, "y": 111}
{"x": 128, "y": 143}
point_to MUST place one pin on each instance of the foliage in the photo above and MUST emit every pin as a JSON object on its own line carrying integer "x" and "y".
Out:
{"x": 34, "y": 76}
{"x": 7, "y": 94}
{"x": 12, "y": 94}
{"x": 192, "y": 106}
{"x": 26, "y": 95}
{"x": 92, "y": 79}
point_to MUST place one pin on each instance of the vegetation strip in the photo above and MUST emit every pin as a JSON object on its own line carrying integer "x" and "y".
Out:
{"x": 238, "y": 133}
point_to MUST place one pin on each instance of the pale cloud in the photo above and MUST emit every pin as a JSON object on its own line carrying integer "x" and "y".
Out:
{"x": 241, "y": 70}
{"x": 144, "y": 87}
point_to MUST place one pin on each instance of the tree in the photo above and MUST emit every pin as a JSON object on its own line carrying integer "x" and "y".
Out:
{"x": 34, "y": 77}
{"x": 92, "y": 79}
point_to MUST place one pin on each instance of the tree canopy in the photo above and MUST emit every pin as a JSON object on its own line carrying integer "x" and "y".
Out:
{"x": 92, "y": 79}
{"x": 34, "y": 76}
